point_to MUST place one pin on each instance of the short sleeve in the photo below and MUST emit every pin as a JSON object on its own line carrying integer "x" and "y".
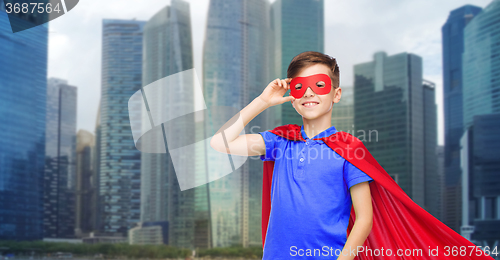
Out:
{"x": 270, "y": 140}
{"x": 353, "y": 175}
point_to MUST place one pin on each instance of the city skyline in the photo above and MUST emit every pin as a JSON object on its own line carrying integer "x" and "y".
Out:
{"x": 390, "y": 93}
{"x": 351, "y": 22}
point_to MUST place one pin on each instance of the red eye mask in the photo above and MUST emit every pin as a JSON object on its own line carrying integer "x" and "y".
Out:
{"x": 321, "y": 84}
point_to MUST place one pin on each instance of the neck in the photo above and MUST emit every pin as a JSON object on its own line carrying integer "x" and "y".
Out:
{"x": 312, "y": 127}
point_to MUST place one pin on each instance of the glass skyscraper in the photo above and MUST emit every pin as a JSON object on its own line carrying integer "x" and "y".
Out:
{"x": 343, "y": 111}
{"x": 389, "y": 117}
{"x": 85, "y": 211}
{"x": 440, "y": 179}
{"x": 453, "y": 47}
{"x": 236, "y": 69}
{"x": 120, "y": 161}
{"x": 60, "y": 160}
{"x": 298, "y": 27}
{"x": 480, "y": 162}
{"x": 23, "y": 86}
{"x": 96, "y": 162}
{"x": 432, "y": 191}
{"x": 480, "y": 142}
{"x": 203, "y": 237}
{"x": 168, "y": 50}
{"x": 480, "y": 64}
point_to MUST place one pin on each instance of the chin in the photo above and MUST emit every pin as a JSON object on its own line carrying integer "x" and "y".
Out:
{"x": 317, "y": 113}
{"x": 311, "y": 117}
{"x": 309, "y": 114}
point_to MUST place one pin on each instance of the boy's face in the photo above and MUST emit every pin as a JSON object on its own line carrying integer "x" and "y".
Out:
{"x": 321, "y": 104}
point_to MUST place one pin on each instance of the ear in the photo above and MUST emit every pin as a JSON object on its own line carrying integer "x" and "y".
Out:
{"x": 338, "y": 95}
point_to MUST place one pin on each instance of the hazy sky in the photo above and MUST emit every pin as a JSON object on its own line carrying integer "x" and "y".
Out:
{"x": 354, "y": 30}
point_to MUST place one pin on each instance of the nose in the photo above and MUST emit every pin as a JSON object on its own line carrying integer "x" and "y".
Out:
{"x": 309, "y": 92}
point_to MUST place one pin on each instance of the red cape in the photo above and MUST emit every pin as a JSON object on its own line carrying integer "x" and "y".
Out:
{"x": 398, "y": 222}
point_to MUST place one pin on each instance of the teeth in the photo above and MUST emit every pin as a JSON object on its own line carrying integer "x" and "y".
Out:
{"x": 310, "y": 104}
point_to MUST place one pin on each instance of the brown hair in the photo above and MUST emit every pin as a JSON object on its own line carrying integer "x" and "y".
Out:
{"x": 308, "y": 58}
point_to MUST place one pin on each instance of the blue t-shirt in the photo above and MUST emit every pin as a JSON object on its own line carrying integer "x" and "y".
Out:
{"x": 310, "y": 198}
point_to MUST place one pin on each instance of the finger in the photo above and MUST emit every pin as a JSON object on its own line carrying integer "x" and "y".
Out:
{"x": 288, "y": 81}
{"x": 285, "y": 85}
{"x": 275, "y": 83}
{"x": 279, "y": 82}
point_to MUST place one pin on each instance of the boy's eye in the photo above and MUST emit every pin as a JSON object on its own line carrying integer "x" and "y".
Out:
{"x": 298, "y": 86}
{"x": 320, "y": 84}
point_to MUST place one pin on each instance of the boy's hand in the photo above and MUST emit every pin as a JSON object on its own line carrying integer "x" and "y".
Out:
{"x": 273, "y": 93}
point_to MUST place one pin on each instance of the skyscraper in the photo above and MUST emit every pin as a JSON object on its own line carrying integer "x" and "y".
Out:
{"x": 294, "y": 35}
{"x": 120, "y": 161}
{"x": 480, "y": 163}
{"x": 389, "y": 117}
{"x": 481, "y": 108}
{"x": 440, "y": 171}
{"x": 343, "y": 111}
{"x": 23, "y": 84}
{"x": 85, "y": 211}
{"x": 480, "y": 64}
{"x": 168, "y": 50}
{"x": 236, "y": 64}
{"x": 453, "y": 47}
{"x": 202, "y": 225}
{"x": 96, "y": 162}
{"x": 60, "y": 160}
{"x": 432, "y": 191}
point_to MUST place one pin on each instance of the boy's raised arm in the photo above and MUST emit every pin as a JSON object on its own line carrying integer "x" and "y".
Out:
{"x": 227, "y": 138}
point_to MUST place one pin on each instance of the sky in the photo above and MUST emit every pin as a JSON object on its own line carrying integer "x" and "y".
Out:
{"x": 354, "y": 31}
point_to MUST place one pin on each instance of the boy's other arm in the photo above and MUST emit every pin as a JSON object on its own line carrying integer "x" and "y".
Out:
{"x": 227, "y": 138}
{"x": 362, "y": 203}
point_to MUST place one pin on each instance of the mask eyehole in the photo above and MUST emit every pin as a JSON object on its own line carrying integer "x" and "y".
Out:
{"x": 320, "y": 84}
{"x": 298, "y": 86}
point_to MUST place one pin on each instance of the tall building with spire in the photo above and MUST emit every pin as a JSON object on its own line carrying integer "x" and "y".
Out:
{"x": 453, "y": 47}
{"x": 120, "y": 161}
{"x": 236, "y": 69}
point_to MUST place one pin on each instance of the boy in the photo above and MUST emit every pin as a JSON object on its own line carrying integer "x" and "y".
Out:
{"x": 312, "y": 185}
{"x": 306, "y": 199}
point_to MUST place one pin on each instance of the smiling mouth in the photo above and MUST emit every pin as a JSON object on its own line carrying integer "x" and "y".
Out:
{"x": 310, "y": 104}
